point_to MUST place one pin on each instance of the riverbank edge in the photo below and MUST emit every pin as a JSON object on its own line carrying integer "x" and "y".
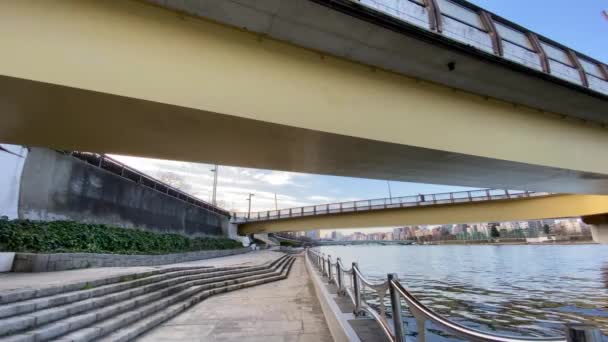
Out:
{"x": 38, "y": 262}
{"x": 507, "y": 243}
{"x": 338, "y": 324}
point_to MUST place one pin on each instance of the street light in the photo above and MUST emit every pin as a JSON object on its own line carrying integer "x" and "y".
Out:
{"x": 213, "y": 197}
{"x": 249, "y": 210}
{"x": 276, "y": 205}
{"x": 390, "y": 194}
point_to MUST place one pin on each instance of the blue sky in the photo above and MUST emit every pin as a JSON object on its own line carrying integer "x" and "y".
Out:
{"x": 577, "y": 24}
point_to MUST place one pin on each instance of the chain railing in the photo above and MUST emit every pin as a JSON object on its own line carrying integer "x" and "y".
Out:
{"x": 388, "y": 203}
{"x": 352, "y": 283}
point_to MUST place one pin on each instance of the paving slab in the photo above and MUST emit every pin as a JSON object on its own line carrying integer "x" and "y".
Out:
{"x": 286, "y": 310}
{"x": 25, "y": 281}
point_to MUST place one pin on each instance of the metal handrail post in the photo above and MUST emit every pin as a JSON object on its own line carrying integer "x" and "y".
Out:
{"x": 396, "y": 308}
{"x": 357, "y": 291}
{"x": 322, "y": 265}
{"x": 339, "y": 276}
{"x": 329, "y": 268}
{"x": 582, "y": 333}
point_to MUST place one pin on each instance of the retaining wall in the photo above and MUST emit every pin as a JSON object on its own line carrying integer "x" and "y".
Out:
{"x": 29, "y": 262}
{"x": 55, "y": 186}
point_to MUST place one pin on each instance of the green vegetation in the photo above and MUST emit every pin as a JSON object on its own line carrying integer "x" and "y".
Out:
{"x": 494, "y": 233}
{"x": 70, "y": 237}
{"x": 289, "y": 244}
{"x": 259, "y": 242}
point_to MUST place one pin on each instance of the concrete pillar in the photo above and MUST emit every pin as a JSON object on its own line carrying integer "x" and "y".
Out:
{"x": 599, "y": 227}
{"x": 600, "y": 233}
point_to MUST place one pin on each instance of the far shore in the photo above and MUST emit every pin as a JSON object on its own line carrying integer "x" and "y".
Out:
{"x": 548, "y": 243}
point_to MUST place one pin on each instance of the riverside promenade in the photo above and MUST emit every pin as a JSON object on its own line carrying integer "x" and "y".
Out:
{"x": 287, "y": 310}
{"x": 261, "y": 295}
{"x": 22, "y": 281}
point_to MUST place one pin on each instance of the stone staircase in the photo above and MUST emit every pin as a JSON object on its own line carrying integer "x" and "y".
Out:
{"x": 122, "y": 308}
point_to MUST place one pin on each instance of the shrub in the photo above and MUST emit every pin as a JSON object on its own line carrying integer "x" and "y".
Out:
{"x": 70, "y": 236}
{"x": 289, "y": 244}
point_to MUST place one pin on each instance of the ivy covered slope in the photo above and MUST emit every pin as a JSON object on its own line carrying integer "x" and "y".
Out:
{"x": 69, "y": 237}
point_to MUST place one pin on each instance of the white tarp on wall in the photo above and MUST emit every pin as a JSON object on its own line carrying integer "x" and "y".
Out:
{"x": 11, "y": 166}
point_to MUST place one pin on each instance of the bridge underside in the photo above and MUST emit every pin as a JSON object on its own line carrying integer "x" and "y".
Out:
{"x": 130, "y": 78}
{"x": 556, "y": 206}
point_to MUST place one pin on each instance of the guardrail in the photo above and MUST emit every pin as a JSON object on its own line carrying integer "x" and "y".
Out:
{"x": 124, "y": 171}
{"x": 463, "y": 22}
{"x": 387, "y": 203}
{"x": 352, "y": 283}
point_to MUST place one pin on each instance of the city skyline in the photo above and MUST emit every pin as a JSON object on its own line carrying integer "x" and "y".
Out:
{"x": 563, "y": 226}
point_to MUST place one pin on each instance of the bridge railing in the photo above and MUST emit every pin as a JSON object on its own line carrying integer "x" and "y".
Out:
{"x": 387, "y": 203}
{"x": 388, "y": 313}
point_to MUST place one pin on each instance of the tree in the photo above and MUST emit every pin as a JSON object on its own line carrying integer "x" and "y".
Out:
{"x": 175, "y": 180}
{"x": 494, "y": 233}
{"x": 546, "y": 229}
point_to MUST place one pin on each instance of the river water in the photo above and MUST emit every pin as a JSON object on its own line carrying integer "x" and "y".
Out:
{"x": 527, "y": 290}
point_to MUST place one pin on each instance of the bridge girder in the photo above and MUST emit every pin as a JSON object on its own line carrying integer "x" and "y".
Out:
{"x": 130, "y": 78}
{"x": 522, "y": 209}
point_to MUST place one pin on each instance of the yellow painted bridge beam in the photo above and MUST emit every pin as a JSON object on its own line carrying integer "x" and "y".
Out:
{"x": 534, "y": 208}
{"x": 128, "y": 77}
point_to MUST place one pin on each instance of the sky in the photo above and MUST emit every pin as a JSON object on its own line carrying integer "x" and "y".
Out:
{"x": 577, "y": 24}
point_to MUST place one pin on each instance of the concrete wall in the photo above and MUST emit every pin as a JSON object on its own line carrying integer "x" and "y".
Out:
{"x": 59, "y": 187}
{"x": 28, "y": 262}
{"x": 11, "y": 166}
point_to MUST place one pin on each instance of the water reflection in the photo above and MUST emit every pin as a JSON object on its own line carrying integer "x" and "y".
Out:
{"x": 515, "y": 290}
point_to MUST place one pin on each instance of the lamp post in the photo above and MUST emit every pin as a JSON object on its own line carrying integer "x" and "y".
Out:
{"x": 249, "y": 210}
{"x": 213, "y": 197}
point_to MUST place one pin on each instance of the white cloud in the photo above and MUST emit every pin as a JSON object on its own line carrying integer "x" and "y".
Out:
{"x": 320, "y": 199}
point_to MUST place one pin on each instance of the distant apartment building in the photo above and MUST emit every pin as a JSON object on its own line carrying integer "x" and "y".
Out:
{"x": 313, "y": 234}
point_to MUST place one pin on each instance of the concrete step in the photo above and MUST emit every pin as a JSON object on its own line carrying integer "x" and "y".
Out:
{"x": 135, "y": 322}
{"x": 17, "y": 323}
{"x": 69, "y": 294}
{"x": 23, "y": 295}
{"x": 41, "y": 317}
{"x": 50, "y": 323}
{"x": 130, "y": 331}
{"x": 86, "y": 291}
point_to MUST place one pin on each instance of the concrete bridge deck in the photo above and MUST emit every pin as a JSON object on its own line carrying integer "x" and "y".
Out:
{"x": 458, "y": 207}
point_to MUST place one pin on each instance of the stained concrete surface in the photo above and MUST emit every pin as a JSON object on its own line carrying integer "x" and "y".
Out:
{"x": 24, "y": 281}
{"x": 287, "y": 310}
{"x": 55, "y": 186}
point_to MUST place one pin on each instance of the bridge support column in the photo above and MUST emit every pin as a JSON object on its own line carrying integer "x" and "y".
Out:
{"x": 600, "y": 233}
{"x": 599, "y": 227}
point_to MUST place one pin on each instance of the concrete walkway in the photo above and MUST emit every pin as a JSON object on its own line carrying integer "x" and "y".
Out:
{"x": 287, "y": 310}
{"x": 24, "y": 281}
